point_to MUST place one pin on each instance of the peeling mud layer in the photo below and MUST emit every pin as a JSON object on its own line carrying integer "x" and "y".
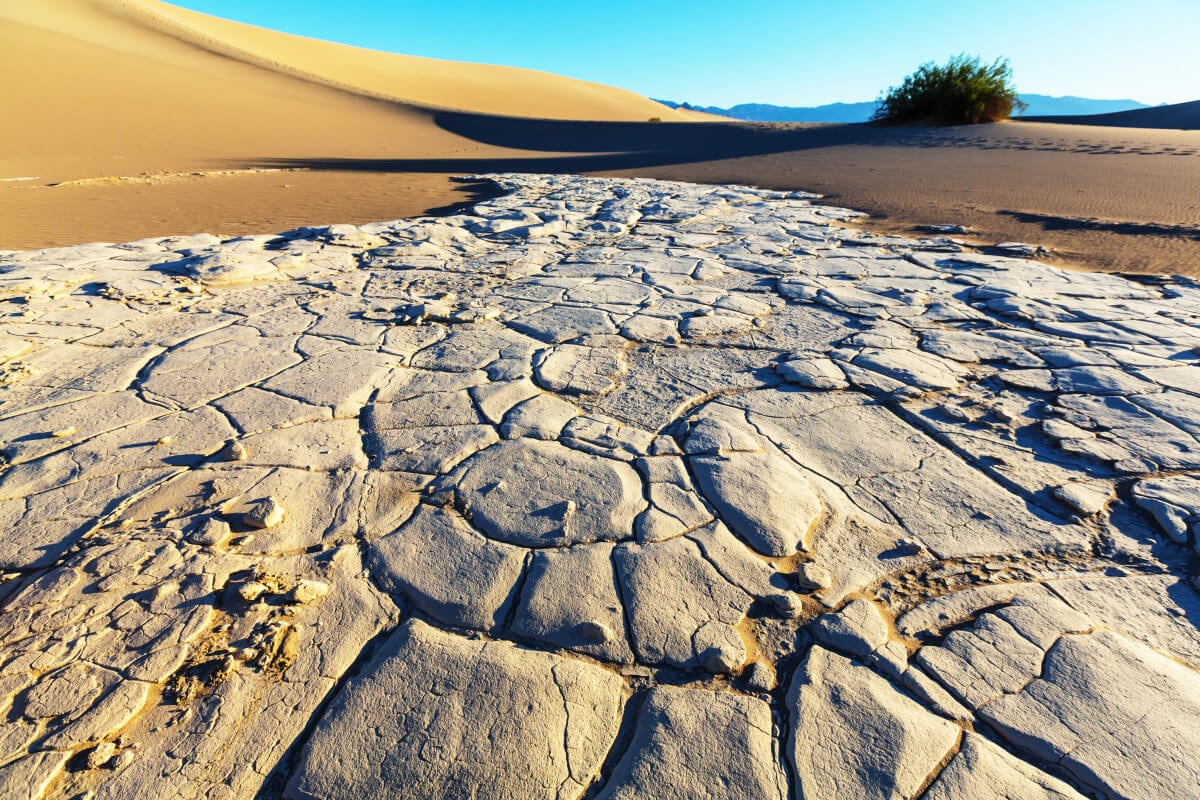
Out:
{"x": 606, "y": 489}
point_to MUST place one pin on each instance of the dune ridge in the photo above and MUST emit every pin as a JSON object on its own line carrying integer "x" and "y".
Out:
{"x": 130, "y": 89}
{"x": 430, "y": 83}
{"x": 1177, "y": 116}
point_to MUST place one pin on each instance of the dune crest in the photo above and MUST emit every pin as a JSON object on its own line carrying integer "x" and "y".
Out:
{"x": 433, "y": 83}
{"x": 1177, "y": 116}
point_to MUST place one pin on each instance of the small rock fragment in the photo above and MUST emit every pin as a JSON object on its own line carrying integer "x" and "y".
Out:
{"x": 856, "y": 630}
{"x": 264, "y": 514}
{"x": 813, "y": 577}
{"x": 813, "y": 373}
{"x": 211, "y": 533}
{"x": 307, "y": 591}
{"x": 63, "y": 433}
{"x": 719, "y": 648}
{"x": 252, "y": 591}
{"x": 761, "y": 678}
{"x": 235, "y": 451}
{"x": 592, "y": 631}
{"x": 720, "y": 660}
{"x": 101, "y": 755}
{"x": 788, "y": 605}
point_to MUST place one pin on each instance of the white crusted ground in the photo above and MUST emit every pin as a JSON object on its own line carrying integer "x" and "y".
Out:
{"x": 617, "y": 489}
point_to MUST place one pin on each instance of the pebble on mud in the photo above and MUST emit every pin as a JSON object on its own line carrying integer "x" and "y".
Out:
{"x": 265, "y": 513}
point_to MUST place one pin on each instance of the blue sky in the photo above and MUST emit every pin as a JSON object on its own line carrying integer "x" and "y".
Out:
{"x": 797, "y": 52}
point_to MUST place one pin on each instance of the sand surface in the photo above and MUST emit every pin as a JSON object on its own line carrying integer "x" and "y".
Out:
{"x": 187, "y": 106}
{"x": 1177, "y": 116}
{"x": 1098, "y": 197}
{"x": 142, "y": 119}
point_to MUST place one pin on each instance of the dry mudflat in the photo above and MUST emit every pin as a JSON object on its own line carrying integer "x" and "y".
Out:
{"x": 590, "y": 487}
{"x": 602, "y": 488}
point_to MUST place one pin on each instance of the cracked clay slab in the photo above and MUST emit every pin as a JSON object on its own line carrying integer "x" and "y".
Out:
{"x": 599, "y": 488}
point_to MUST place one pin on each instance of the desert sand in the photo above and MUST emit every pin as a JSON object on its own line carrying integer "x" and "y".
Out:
{"x": 139, "y": 118}
{"x": 603, "y": 488}
{"x": 1100, "y": 198}
{"x": 1176, "y": 116}
{"x": 142, "y": 119}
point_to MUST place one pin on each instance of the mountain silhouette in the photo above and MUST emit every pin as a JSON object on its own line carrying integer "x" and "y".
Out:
{"x": 1038, "y": 105}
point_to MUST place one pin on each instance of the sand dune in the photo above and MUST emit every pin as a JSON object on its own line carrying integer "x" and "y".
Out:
{"x": 1179, "y": 116}
{"x": 163, "y": 33}
{"x": 108, "y": 90}
{"x": 138, "y": 119}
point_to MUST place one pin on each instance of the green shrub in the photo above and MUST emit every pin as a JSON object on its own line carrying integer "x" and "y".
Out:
{"x": 964, "y": 91}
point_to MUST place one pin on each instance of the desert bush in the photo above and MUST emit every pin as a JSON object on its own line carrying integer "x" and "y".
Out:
{"x": 964, "y": 91}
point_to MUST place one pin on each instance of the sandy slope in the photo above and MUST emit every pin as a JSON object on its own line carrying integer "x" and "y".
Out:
{"x": 138, "y": 118}
{"x": 168, "y": 34}
{"x": 1179, "y": 116}
{"x": 107, "y": 89}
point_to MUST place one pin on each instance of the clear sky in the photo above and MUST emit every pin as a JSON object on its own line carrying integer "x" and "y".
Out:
{"x": 786, "y": 52}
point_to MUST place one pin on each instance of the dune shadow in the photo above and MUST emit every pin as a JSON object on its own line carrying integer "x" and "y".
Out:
{"x": 585, "y": 136}
{"x": 571, "y": 146}
{"x": 582, "y": 146}
{"x": 473, "y": 191}
{"x": 1051, "y": 222}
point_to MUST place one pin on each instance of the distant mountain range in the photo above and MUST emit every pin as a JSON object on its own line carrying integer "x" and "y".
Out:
{"x": 1040, "y": 105}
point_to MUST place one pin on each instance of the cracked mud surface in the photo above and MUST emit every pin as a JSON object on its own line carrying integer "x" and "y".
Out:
{"x": 604, "y": 489}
